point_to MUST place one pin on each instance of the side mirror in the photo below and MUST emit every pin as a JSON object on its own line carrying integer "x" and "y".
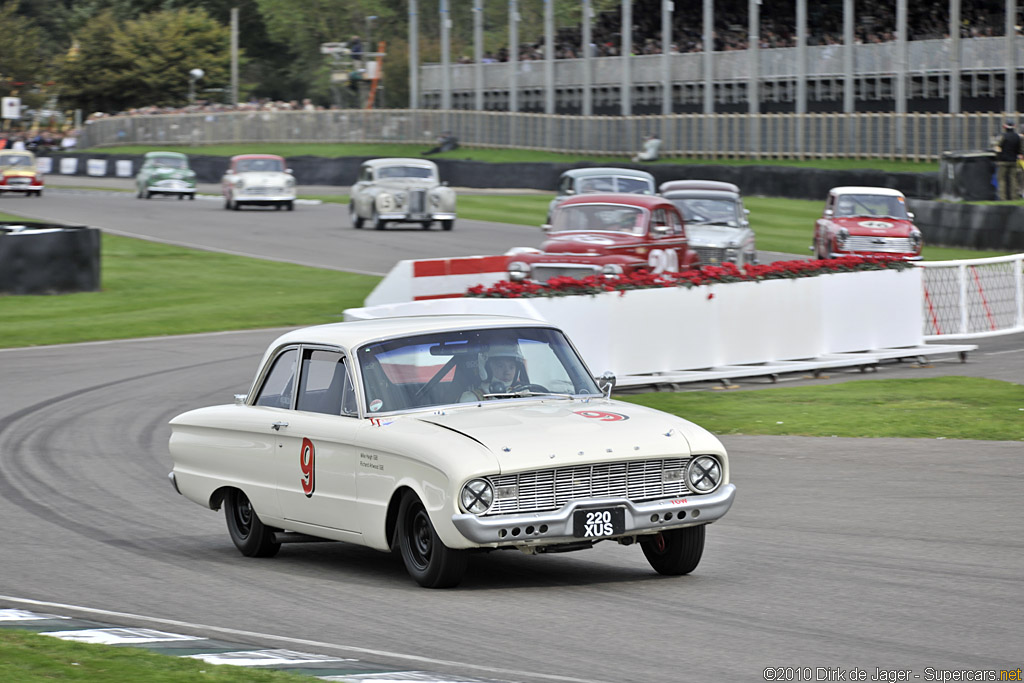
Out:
{"x": 570, "y": 191}
{"x": 910, "y": 215}
{"x": 240, "y": 399}
{"x": 828, "y": 213}
{"x": 606, "y": 382}
{"x": 545, "y": 227}
{"x": 289, "y": 171}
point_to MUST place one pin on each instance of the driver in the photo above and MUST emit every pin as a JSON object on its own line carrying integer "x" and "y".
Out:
{"x": 502, "y": 367}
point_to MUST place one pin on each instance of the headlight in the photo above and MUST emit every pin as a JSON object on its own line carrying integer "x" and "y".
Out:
{"x": 477, "y": 496}
{"x": 435, "y": 200}
{"x": 400, "y": 198}
{"x": 289, "y": 182}
{"x": 239, "y": 183}
{"x": 704, "y": 474}
{"x": 612, "y": 269}
{"x": 517, "y": 271}
{"x": 841, "y": 236}
{"x": 915, "y": 239}
{"x": 385, "y": 202}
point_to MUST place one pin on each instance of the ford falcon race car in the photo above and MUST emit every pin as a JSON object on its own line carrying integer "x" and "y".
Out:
{"x": 867, "y": 221}
{"x": 165, "y": 173}
{"x": 607, "y": 234}
{"x": 260, "y": 179}
{"x": 18, "y": 173}
{"x": 438, "y": 436}
{"x": 401, "y": 191}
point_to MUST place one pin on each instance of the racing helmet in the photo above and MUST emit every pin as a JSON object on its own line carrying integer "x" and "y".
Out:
{"x": 844, "y": 207}
{"x": 501, "y": 349}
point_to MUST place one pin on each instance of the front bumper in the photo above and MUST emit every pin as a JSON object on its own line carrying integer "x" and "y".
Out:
{"x": 264, "y": 198}
{"x": 550, "y": 528}
{"x": 415, "y": 217}
{"x": 171, "y": 187}
{"x": 905, "y": 257}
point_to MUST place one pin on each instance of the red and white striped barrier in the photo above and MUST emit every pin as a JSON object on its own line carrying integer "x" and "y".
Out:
{"x": 443, "y": 278}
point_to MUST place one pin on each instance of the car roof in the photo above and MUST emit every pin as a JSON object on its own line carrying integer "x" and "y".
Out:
{"x": 399, "y": 161}
{"x": 607, "y": 171}
{"x": 700, "y": 194}
{"x": 177, "y": 155}
{"x": 676, "y": 185}
{"x": 257, "y": 156}
{"x": 357, "y": 332}
{"x": 646, "y": 201}
{"x": 858, "y": 189}
{"x": 17, "y": 152}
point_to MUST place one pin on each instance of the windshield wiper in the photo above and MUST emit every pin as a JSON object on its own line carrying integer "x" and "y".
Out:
{"x": 530, "y": 392}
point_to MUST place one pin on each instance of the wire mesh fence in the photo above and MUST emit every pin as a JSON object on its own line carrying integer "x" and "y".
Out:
{"x": 975, "y": 298}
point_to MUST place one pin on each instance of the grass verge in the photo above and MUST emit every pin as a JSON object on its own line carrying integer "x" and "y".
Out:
{"x": 27, "y": 656}
{"x": 927, "y": 408}
{"x": 151, "y": 289}
{"x": 494, "y": 155}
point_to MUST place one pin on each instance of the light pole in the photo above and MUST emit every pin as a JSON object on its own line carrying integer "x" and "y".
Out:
{"x": 193, "y": 76}
{"x": 369, "y": 27}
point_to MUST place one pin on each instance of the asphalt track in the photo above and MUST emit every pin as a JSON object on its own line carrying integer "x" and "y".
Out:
{"x": 872, "y": 553}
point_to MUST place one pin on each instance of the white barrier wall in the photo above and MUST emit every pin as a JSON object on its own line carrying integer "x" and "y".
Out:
{"x": 417, "y": 280}
{"x": 660, "y": 330}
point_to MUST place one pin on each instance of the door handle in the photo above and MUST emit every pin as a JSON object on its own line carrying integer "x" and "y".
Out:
{"x": 277, "y": 426}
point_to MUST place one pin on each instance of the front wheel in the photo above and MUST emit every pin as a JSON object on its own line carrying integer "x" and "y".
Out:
{"x": 448, "y": 224}
{"x": 290, "y": 205}
{"x": 675, "y": 552}
{"x": 247, "y": 532}
{"x": 426, "y": 225}
{"x": 429, "y": 561}
{"x": 353, "y": 216}
{"x": 378, "y": 224}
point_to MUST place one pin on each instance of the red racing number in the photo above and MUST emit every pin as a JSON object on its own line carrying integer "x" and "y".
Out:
{"x": 306, "y": 464}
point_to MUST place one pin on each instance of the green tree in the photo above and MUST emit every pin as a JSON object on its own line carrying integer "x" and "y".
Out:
{"x": 90, "y": 73}
{"x": 23, "y": 59}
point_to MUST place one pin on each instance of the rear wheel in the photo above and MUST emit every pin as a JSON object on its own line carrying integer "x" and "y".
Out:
{"x": 248, "y": 533}
{"x": 429, "y": 561}
{"x": 676, "y": 551}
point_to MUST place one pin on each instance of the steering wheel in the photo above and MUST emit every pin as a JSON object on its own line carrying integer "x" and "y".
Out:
{"x": 538, "y": 388}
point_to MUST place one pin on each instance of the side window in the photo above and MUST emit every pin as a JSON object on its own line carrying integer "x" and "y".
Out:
{"x": 324, "y": 384}
{"x": 279, "y": 383}
{"x": 659, "y": 219}
{"x": 676, "y": 223}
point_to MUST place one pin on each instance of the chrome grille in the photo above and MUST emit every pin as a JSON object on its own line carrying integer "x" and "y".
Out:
{"x": 546, "y": 271}
{"x": 551, "y": 489}
{"x": 417, "y": 201}
{"x": 709, "y": 256}
{"x": 899, "y": 245}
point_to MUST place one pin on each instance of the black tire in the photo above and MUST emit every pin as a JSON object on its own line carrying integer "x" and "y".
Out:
{"x": 448, "y": 224}
{"x": 180, "y": 196}
{"x": 429, "y": 561}
{"x": 378, "y": 224}
{"x": 290, "y": 205}
{"x": 236, "y": 205}
{"x": 353, "y": 217}
{"x": 191, "y": 196}
{"x": 277, "y": 207}
{"x": 675, "y": 552}
{"x": 147, "y": 195}
{"x": 227, "y": 202}
{"x": 247, "y": 532}
{"x": 426, "y": 225}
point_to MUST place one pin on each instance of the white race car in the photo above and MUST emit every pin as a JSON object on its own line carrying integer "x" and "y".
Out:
{"x": 401, "y": 191}
{"x": 442, "y": 435}
{"x": 260, "y": 179}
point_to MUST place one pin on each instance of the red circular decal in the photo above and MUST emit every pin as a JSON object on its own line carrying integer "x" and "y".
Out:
{"x": 601, "y": 415}
{"x": 306, "y": 456}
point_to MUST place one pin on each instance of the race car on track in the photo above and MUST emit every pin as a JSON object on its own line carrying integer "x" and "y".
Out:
{"x": 18, "y": 173}
{"x": 716, "y": 221}
{"x": 259, "y": 179}
{"x": 437, "y": 436}
{"x": 867, "y": 221}
{"x": 600, "y": 179}
{"x": 401, "y": 191}
{"x": 607, "y": 234}
{"x": 165, "y": 173}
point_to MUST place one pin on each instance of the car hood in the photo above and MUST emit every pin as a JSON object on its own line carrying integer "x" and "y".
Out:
{"x": 556, "y": 433}
{"x": 173, "y": 173}
{"x": 406, "y": 183}
{"x": 17, "y": 172}
{"x": 263, "y": 177}
{"x": 706, "y": 235}
{"x": 890, "y": 227}
{"x": 588, "y": 242}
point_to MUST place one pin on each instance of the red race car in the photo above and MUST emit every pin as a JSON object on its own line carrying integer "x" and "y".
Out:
{"x": 867, "y": 221}
{"x": 608, "y": 234}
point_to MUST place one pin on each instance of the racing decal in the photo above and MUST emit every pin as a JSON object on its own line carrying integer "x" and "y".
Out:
{"x": 380, "y": 422}
{"x": 307, "y": 457}
{"x": 375, "y": 405}
{"x": 876, "y": 225}
{"x": 661, "y": 260}
{"x": 602, "y": 415}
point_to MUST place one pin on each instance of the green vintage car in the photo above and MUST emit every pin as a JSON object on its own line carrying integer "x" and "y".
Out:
{"x": 165, "y": 173}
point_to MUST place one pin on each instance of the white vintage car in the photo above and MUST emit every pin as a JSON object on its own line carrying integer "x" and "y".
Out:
{"x": 258, "y": 179}
{"x": 401, "y": 191}
{"x": 441, "y": 435}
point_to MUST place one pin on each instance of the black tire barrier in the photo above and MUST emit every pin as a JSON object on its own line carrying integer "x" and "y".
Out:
{"x": 998, "y": 227}
{"x": 45, "y": 258}
{"x": 967, "y": 176}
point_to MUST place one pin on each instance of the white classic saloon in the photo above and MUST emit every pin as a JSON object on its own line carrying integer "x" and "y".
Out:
{"x": 403, "y": 433}
{"x": 395, "y": 190}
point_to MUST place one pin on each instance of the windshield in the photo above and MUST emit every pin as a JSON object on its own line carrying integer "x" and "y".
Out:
{"x": 247, "y": 165}
{"x": 872, "y": 205}
{"x": 462, "y": 366}
{"x": 169, "y": 162}
{"x": 721, "y": 211}
{"x": 603, "y": 217}
{"x": 15, "y": 160}
{"x": 404, "y": 172}
{"x": 615, "y": 184}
